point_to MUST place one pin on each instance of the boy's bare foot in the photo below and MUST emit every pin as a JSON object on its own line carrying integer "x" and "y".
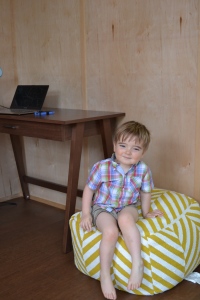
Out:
{"x": 136, "y": 276}
{"x": 107, "y": 288}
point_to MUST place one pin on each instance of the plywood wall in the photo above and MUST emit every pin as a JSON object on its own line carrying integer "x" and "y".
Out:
{"x": 140, "y": 57}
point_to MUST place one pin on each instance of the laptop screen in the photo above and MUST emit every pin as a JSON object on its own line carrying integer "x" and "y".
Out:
{"x": 29, "y": 97}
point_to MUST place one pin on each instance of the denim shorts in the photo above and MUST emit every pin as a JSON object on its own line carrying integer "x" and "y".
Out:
{"x": 96, "y": 210}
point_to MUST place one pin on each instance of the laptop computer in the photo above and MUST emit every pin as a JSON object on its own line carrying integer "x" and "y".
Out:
{"x": 27, "y": 99}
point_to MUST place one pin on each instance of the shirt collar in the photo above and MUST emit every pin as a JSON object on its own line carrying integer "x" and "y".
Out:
{"x": 113, "y": 159}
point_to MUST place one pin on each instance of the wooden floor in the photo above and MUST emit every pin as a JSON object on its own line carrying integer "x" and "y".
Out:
{"x": 33, "y": 266}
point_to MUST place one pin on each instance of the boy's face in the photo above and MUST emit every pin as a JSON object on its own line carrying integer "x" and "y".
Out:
{"x": 128, "y": 152}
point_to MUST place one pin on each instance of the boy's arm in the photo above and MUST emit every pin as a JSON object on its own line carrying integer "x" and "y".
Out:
{"x": 86, "y": 219}
{"x": 146, "y": 204}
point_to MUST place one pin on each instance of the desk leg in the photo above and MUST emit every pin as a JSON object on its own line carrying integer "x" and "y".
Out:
{"x": 72, "y": 186}
{"x": 106, "y": 135}
{"x": 19, "y": 158}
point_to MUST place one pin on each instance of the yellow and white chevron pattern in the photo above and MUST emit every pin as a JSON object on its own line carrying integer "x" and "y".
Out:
{"x": 170, "y": 245}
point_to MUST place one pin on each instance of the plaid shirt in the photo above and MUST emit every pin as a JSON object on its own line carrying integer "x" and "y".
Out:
{"x": 113, "y": 188}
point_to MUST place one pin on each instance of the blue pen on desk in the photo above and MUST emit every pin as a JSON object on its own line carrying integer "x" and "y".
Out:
{"x": 50, "y": 112}
{"x": 40, "y": 113}
{"x": 44, "y": 113}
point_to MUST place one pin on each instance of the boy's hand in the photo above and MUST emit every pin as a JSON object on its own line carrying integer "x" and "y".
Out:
{"x": 86, "y": 222}
{"x": 154, "y": 214}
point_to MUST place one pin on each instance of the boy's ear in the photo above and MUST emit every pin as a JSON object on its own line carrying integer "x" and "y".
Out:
{"x": 114, "y": 146}
{"x": 144, "y": 151}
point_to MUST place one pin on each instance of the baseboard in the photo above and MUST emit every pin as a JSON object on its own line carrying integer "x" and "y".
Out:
{"x": 11, "y": 197}
{"x": 48, "y": 202}
{"x": 37, "y": 199}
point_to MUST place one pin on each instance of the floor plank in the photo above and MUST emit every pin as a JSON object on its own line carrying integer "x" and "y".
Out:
{"x": 33, "y": 266}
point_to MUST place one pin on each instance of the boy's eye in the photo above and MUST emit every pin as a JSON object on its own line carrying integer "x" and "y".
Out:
{"x": 132, "y": 149}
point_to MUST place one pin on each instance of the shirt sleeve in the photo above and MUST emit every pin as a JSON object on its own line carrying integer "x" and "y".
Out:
{"x": 94, "y": 179}
{"x": 147, "y": 182}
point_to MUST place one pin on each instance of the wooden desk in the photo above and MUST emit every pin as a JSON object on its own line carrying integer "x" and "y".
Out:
{"x": 65, "y": 124}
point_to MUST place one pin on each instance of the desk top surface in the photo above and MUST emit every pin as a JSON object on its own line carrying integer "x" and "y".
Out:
{"x": 65, "y": 116}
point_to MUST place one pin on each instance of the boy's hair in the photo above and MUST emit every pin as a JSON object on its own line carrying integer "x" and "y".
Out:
{"x": 132, "y": 129}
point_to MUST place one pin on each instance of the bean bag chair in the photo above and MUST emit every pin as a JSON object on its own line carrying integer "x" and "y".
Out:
{"x": 170, "y": 245}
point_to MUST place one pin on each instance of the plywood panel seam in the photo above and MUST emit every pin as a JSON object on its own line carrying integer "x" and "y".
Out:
{"x": 83, "y": 54}
{"x": 197, "y": 134}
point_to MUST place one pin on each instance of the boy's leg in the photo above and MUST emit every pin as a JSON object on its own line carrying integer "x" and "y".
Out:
{"x": 107, "y": 224}
{"x": 127, "y": 219}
